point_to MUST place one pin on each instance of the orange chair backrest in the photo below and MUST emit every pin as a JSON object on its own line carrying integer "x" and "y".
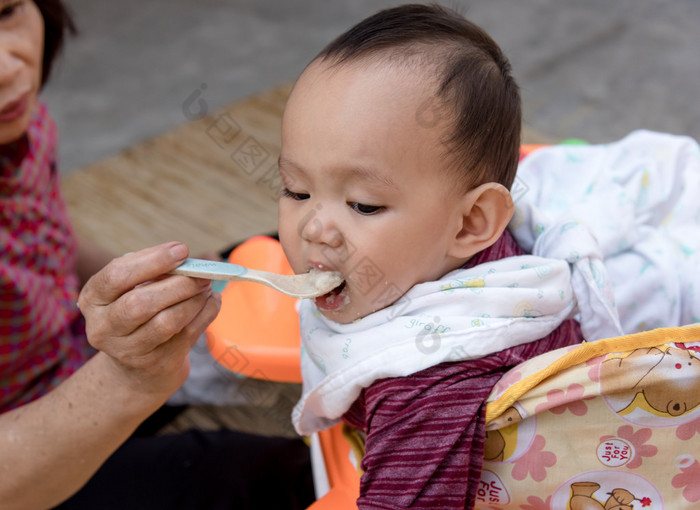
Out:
{"x": 256, "y": 333}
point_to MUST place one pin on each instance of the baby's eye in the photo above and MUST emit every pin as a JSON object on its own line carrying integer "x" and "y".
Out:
{"x": 364, "y": 208}
{"x": 295, "y": 196}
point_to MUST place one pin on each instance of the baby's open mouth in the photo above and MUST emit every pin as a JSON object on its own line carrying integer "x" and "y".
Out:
{"x": 333, "y": 299}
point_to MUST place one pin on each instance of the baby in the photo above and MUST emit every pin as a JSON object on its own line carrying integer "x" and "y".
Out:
{"x": 400, "y": 142}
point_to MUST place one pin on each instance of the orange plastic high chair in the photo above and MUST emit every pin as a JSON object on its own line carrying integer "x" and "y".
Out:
{"x": 256, "y": 334}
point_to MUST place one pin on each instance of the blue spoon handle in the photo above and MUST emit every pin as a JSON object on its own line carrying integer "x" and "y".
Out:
{"x": 210, "y": 269}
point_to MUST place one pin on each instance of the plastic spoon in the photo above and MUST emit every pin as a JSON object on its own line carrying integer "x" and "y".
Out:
{"x": 312, "y": 284}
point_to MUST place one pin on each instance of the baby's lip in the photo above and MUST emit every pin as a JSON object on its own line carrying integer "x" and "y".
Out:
{"x": 320, "y": 266}
{"x": 336, "y": 297}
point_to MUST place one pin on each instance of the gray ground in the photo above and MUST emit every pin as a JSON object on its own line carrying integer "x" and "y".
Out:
{"x": 593, "y": 69}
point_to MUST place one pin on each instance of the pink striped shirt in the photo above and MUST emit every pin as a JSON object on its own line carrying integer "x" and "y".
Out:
{"x": 42, "y": 339}
{"x": 425, "y": 432}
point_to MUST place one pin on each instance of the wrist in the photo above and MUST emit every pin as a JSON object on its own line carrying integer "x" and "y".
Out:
{"x": 134, "y": 393}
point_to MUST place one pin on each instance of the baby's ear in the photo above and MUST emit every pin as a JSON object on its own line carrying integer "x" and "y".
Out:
{"x": 486, "y": 211}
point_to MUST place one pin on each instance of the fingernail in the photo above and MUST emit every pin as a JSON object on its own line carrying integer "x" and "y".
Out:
{"x": 179, "y": 251}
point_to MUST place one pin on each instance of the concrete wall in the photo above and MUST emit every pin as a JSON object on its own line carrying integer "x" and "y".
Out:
{"x": 594, "y": 69}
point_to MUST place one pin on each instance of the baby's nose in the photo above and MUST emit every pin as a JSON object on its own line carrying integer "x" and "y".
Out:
{"x": 320, "y": 227}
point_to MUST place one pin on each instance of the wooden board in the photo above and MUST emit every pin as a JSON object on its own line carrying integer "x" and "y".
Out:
{"x": 208, "y": 183}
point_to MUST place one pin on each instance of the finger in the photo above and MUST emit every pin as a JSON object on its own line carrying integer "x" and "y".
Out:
{"x": 126, "y": 272}
{"x": 111, "y": 328}
{"x": 164, "y": 325}
{"x": 180, "y": 344}
{"x": 141, "y": 304}
{"x": 155, "y": 347}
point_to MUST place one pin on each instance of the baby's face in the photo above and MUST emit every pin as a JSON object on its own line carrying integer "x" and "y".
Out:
{"x": 21, "y": 52}
{"x": 367, "y": 191}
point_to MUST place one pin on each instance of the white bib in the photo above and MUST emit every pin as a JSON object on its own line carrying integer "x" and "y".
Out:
{"x": 467, "y": 314}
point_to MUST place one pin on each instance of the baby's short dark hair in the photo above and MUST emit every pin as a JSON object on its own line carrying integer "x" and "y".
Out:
{"x": 57, "y": 21}
{"x": 474, "y": 82}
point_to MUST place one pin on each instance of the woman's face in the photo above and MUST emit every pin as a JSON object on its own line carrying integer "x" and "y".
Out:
{"x": 21, "y": 54}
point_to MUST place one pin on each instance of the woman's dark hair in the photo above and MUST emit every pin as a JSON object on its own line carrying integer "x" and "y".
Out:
{"x": 57, "y": 22}
{"x": 474, "y": 82}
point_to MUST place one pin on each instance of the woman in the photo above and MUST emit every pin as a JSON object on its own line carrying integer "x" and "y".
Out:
{"x": 73, "y": 391}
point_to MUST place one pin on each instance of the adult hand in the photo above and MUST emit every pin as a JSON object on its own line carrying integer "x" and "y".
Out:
{"x": 145, "y": 320}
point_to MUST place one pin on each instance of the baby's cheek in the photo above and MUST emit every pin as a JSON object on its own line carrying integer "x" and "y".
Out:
{"x": 290, "y": 247}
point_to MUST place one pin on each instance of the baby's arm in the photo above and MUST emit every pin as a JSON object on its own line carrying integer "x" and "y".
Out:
{"x": 425, "y": 433}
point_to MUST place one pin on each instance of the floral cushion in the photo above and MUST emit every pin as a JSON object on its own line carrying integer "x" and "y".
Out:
{"x": 609, "y": 424}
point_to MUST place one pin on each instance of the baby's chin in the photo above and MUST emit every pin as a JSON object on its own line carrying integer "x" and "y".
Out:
{"x": 342, "y": 317}
{"x": 338, "y": 306}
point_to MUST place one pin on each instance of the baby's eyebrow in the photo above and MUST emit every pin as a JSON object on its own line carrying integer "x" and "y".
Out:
{"x": 368, "y": 174}
{"x": 284, "y": 162}
{"x": 361, "y": 172}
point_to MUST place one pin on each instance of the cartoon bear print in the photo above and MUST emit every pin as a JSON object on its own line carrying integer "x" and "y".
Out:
{"x": 495, "y": 443}
{"x": 494, "y": 446}
{"x": 582, "y": 498}
{"x": 668, "y": 377}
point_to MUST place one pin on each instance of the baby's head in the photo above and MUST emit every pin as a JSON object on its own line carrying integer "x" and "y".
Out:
{"x": 399, "y": 142}
{"x": 31, "y": 35}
